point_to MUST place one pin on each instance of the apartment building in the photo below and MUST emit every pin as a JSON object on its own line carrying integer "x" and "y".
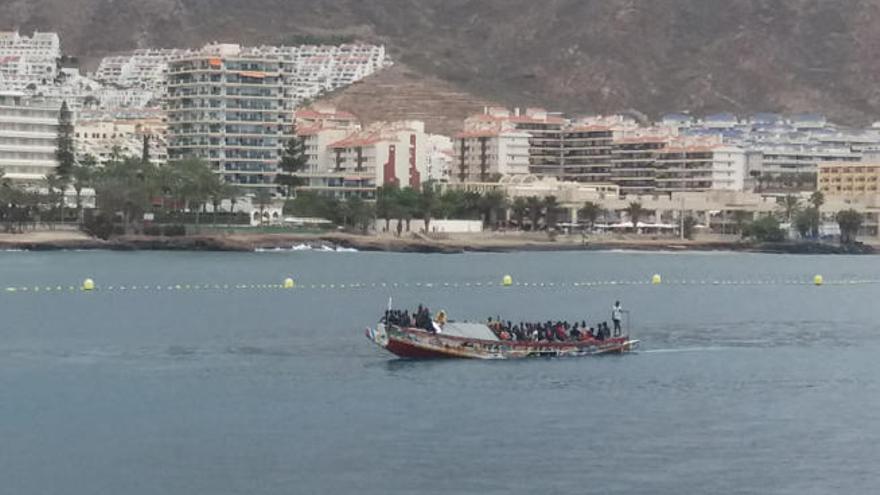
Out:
{"x": 545, "y": 131}
{"x": 28, "y": 135}
{"x": 689, "y": 167}
{"x": 381, "y": 154}
{"x": 634, "y": 163}
{"x": 28, "y": 60}
{"x": 319, "y": 127}
{"x": 849, "y": 180}
{"x": 106, "y": 139}
{"x": 794, "y": 166}
{"x": 226, "y": 105}
{"x": 587, "y": 152}
{"x": 439, "y": 158}
{"x": 487, "y": 155}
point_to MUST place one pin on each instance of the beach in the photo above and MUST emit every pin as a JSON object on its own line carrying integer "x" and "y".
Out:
{"x": 46, "y": 240}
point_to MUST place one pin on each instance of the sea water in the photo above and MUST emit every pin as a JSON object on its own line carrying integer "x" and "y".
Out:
{"x": 238, "y": 387}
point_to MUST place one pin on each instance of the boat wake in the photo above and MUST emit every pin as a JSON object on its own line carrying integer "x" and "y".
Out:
{"x": 685, "y": 349}
{"x": 321, "y": 248}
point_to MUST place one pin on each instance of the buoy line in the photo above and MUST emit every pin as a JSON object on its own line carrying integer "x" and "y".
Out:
{"x": 507, "y": 282}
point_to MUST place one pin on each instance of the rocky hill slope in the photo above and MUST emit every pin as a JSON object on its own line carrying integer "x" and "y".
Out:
{"x": 582, "y": 55}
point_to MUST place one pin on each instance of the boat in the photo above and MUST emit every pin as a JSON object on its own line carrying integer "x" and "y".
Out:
{"x": 478, "y": 341}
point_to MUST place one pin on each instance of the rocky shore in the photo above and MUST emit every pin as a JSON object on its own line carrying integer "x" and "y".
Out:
{"x": 499, "y": 243}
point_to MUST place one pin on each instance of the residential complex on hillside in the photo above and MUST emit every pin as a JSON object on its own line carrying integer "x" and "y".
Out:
{"x": 28, "y": 61}
{"x": 237, "y": 107}
{"x": 678, "y": 154}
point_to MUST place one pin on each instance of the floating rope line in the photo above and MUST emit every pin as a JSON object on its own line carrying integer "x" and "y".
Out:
{"x": 288, "y": 286}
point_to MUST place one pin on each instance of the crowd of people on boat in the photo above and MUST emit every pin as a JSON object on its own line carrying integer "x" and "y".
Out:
{"x": 420, "y": 318}
{"x": 548, "y": 331}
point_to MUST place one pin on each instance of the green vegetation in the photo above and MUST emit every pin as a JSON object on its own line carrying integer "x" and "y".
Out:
{"x": 790, "y": 206}
{"x": 590, "y": 213}
{"x": 293, "y": 162}
{"x": 689, "y": 225}
{"x": 850, "y": 221}
{"x": 354, "y": 213}
{"x": 635, "y": 212}
{"x": 764, "y": 229}
{"x": 807, "y": 222}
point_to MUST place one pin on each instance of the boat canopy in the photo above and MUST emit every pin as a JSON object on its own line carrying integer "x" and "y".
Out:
{"x": 469, "y": 331}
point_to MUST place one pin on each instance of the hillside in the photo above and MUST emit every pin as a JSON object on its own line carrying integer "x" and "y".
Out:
{"x": 580, "y": 55}
{"x": 399, "y": 93}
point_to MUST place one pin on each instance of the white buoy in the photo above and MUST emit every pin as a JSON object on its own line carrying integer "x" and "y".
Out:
{"x": 88, "y": 284}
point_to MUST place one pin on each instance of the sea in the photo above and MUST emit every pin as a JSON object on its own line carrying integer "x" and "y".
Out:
{"x": 194, "y": 373}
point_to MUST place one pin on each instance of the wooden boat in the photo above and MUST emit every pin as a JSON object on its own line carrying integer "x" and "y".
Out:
{"x": 476, "y": 341}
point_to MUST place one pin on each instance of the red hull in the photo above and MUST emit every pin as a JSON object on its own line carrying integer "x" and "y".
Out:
{"x": 417, "y": 344}
{"x": 409, "y": 351}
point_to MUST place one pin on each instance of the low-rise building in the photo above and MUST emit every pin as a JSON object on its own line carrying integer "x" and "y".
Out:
{"x": 107, "y": 139}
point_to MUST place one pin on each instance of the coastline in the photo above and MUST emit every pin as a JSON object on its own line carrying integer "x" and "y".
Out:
{"x": 487, "y": 243}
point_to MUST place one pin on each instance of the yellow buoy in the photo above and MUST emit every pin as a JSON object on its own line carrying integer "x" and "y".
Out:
{"x": 289, "y": 283}
{"x": 819, "y": 280}
{"x": 88, "y": 284}
{"x": 507, "y": 281}
{"x": 657, "y": 279}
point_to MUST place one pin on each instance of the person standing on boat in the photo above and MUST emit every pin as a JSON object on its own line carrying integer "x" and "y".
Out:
{"x": 616, "y": 316}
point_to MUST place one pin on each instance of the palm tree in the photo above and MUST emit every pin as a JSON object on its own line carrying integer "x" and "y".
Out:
{"x": 83, "y": 175}
{"x": 55, "y": 183}
{"x": 490, "y": 205}
{"x": 222, "y": 191}
{"x": 536, "y": 211}
{"x": 520, "y": 209}
{"x": 385, "y": 200}
{"x": 817, "y": 199}
{"x": 551, "y": 206}
{"x": 850, "y": 221}
{"x": 263, "y": 199}
{"x": 635, "y": 212}
{"x": 741, "y": 218}
{"x": 790, "y": 205}
{"x": 428, "y": 205}
{"x": 590, "y": 212}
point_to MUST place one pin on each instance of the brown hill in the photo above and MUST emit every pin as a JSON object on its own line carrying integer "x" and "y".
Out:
{"x": 399, "y": 93}
{"x": 580, "y": 55}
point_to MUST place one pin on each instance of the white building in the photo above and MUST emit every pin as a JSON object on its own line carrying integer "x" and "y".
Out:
{"x": 439, "y": 158}
{"x": 381, "y": 154}
{"x": 226, "y": 105}
{"x": 28, "y": 136}
{"x": 28, "y": 60}
{"x": 487, "y": 155}
{"x": 731, "y": 166}
{"x": 106, "y": 139}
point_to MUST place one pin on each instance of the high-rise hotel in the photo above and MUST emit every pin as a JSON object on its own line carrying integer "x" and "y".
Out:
{"x": 28, "y": 136}
{"x": 228, "y": 106}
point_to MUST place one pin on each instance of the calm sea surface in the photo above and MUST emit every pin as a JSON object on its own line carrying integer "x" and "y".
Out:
{"x": 771, "y": 389}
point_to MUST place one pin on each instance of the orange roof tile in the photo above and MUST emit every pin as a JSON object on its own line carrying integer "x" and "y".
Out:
{"x": 357, "y": 141}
